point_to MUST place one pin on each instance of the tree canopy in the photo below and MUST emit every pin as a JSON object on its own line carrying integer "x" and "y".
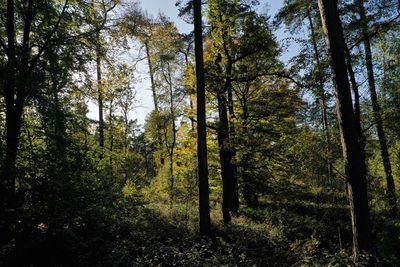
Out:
{"x": 251, "y": 155}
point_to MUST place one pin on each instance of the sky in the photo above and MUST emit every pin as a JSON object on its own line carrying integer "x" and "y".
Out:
{"x": 153, "y": 7}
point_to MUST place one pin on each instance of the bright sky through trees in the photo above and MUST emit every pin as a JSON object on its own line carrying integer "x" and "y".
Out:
{"x": 168, "y": 8}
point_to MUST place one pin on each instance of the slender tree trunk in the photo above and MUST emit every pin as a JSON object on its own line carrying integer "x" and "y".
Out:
{"x": 100, "y": 96}
{"x": 126, "y": 132}
{"x": 391, "y": 192}
{"x": 155, "y": 96}
{"x": 356, "y": 93}
{"x": 151, "y": 74}
{"x": 322, "y": 96}
{"x": 171, "y": 175}
{"x": 192, "y": 91}
{"x": 228, "y": 88}
{"x": 352, "y": 150}
{"x": 204, "y": 198}
{"x": 172, "y": 147}
{"x": 111, "y": 130}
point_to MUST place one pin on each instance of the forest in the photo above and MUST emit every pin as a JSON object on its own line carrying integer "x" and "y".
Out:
{"x": 259, "y": 149}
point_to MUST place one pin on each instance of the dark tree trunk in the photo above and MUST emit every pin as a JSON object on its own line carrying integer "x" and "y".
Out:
{"x": 235, "y": 194}
{"x": 100, "y": 96}
{"x": 204, "y": 198}
{"x": 14, "y": 107}
{"x": 111, "y": 133}
{"x": 9, "y": 172}
{"x": 225, "y": 155}
{"x": 125, "y": 112}
{"x": 391, "y": 192}
{"x": 352, "y": 150}
{"x": 171, "y": 147}
{"x": 356, "y": 94}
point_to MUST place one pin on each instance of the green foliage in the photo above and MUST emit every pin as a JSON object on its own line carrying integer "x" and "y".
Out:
{"x": 135, "y": 201}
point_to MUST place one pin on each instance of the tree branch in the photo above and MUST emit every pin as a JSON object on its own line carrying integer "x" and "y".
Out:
{"x": 278, "y": 74}
{"x": 215, "y": 128}
{"x": 385, "y": 26}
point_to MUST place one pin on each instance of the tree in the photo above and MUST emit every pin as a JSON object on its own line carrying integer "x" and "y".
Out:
{"x": 242, "y": 49}
{"x": 204, "y": 202}
{"x": 170, "y": 139}
{"x": 29, "y": 38}
{"x": 352, "y": 152}
{"x": 391, "y": 191}
{"x": 100, "y": 95}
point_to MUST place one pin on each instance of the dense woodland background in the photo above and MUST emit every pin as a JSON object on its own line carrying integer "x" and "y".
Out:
{"x": 302, "y": 163}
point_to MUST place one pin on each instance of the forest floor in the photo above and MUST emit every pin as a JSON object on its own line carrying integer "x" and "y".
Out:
{"x": 292, "y": 227}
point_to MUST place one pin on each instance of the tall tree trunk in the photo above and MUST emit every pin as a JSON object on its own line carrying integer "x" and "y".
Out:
{"x": 391, "y": 192}
{"x": 126, "y": 132}
{"x": 155, "y": 96}
{"x": 172, "y": 147}
{"x": 13, "y": 129}
{"x": 352, "y": 151}
{"x": 228, "y": 89}
{"x": 225, "y": 155}
{"x": 204, "y": 198}
{"x": 100, "y": 96}
{"x": 111, "y": 133}
{"x": 151, "y": 74}
{"x": 322, "y": 96}
{"x": 357, "y": 109}
{"x": 14, "y": 107}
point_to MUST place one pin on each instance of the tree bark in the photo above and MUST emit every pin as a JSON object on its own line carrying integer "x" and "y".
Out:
{"x": 111, "y": 133}
{"x": 225, "y": 155}
{"x": 391, "y": 192}
{"x": 228, "y": 89}
{"x": 14, "y": 101}
{"x": 100, "y": 96}
{"x": 352, "y": 150}
{"x": 204, "y": 198}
